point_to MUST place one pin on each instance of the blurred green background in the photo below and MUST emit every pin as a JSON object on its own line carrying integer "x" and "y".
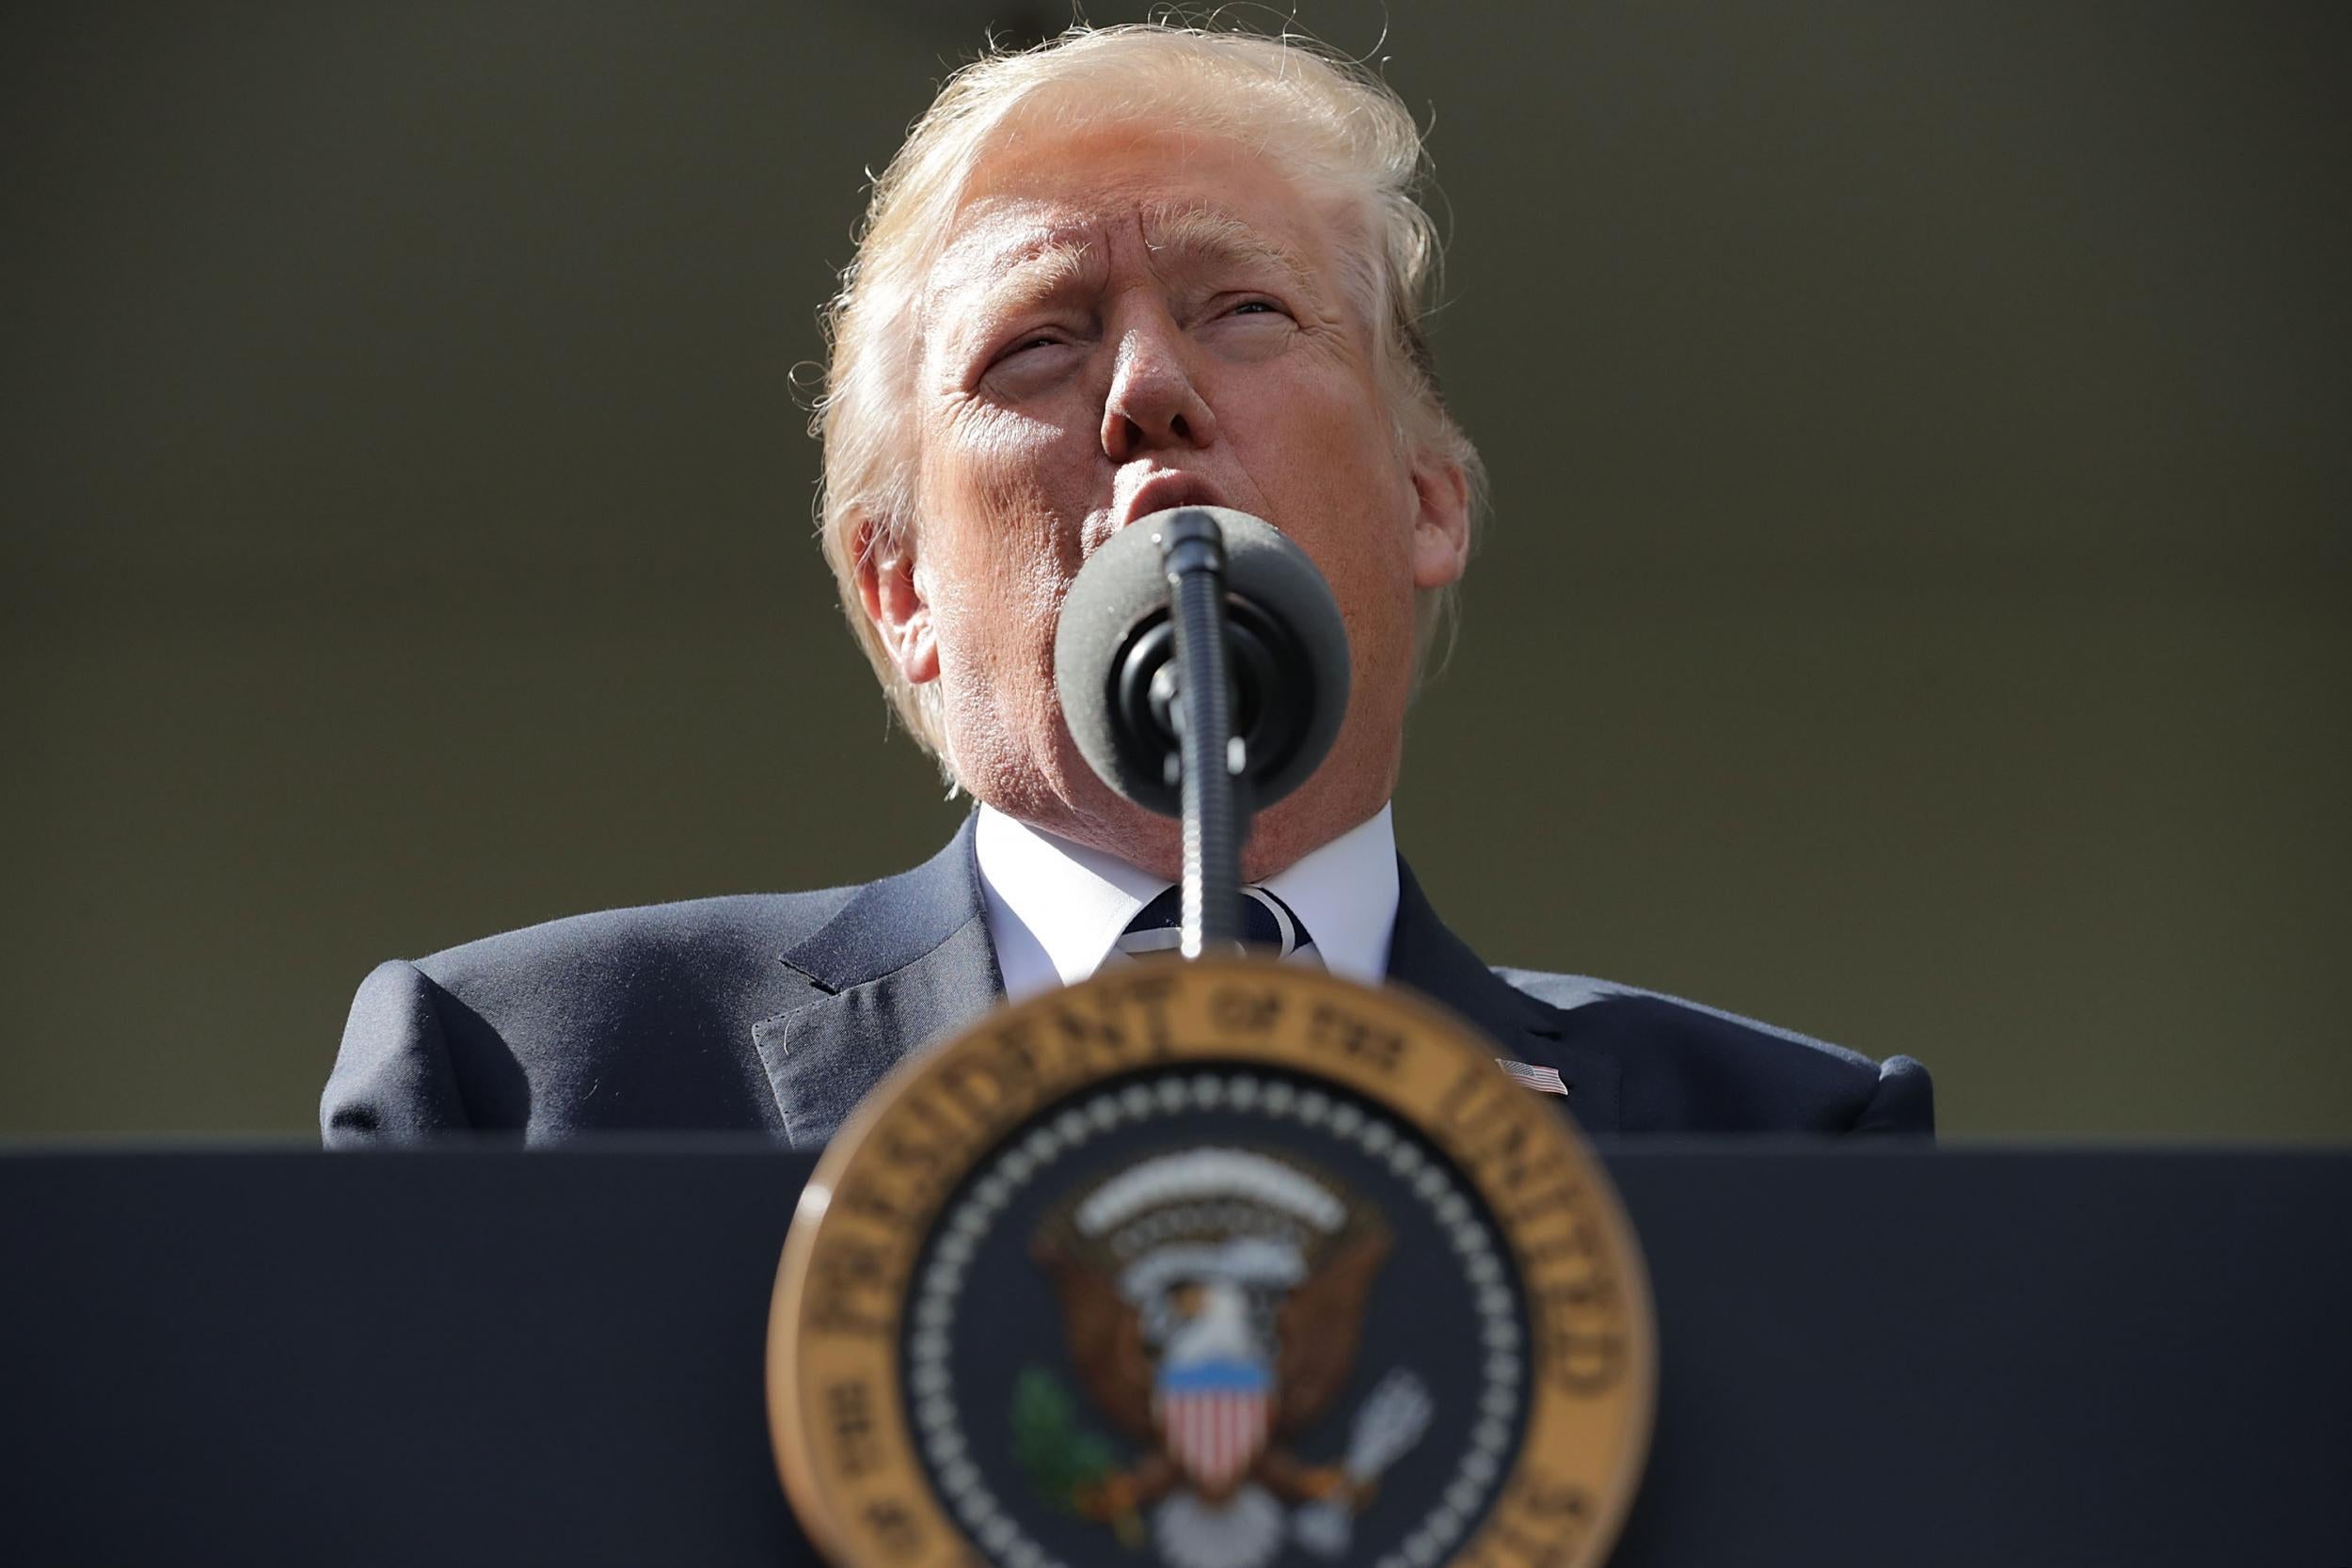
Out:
{"x": 1917, "y": 609}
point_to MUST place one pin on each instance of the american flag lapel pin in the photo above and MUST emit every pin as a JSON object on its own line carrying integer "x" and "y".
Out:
{"x": 1543, "y": 1080}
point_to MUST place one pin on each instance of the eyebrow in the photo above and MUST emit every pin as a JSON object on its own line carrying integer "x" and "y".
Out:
{"x": 1043, "y": 270}
{"x": 1211, "y": 236}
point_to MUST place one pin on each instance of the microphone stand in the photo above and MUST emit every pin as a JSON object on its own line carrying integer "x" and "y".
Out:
{"x": 1192, "y": 553}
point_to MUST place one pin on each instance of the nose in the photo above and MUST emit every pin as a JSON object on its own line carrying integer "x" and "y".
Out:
{"x": 1152, "y": 401}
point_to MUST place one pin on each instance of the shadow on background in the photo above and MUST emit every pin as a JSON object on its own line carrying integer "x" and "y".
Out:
{"x": 1916, "y": 610}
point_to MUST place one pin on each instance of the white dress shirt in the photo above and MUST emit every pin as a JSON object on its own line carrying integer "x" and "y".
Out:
{"x": 1054, "y": 909}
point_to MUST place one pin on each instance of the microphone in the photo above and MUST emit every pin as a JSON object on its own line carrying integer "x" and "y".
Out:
{"x": 1118, "y": 665}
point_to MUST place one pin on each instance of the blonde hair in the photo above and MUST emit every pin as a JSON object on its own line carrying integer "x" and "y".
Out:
{"x": 1330, "y": 123}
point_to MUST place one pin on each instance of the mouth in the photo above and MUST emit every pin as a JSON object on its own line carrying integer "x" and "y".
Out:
{"x": 1164, "y": 490}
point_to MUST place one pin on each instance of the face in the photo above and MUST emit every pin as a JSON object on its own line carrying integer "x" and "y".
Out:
{"x": 1122, "y": 321}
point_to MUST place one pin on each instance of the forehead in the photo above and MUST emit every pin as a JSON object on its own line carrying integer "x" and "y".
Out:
{"x": 1040, "y": 208}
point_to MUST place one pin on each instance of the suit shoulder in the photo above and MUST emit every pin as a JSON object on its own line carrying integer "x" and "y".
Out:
{"x": 704, "y": 933}
{"x": 704, "y": 968}
{"x": 1689, "y": 1066}
{"x": 1678, "y": 1016}
{"x": 631, "y": 1018}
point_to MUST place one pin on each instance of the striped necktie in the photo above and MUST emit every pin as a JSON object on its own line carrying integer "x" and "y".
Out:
{"x": 1158, "y": 930}
{"x": 1266, "y": 923}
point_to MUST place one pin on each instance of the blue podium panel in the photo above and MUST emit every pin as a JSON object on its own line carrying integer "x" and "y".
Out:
{"x": 486, "y": 1355}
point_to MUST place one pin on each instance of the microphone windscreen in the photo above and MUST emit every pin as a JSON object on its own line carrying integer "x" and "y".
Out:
{"x": 1122, "y": 589}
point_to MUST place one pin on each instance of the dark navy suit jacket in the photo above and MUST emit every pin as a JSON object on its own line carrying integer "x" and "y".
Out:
{"x": 779, "y": 1011}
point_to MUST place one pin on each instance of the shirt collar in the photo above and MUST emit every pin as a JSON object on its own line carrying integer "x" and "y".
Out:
{"x": 1055, "y": 908}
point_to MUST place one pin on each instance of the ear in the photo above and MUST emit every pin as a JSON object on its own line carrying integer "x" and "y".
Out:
{"x": 1441, "y": 522}
{"x": 888, "y": 588}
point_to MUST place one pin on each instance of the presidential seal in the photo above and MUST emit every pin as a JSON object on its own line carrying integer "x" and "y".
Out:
{"x": 1211, "y": 1265}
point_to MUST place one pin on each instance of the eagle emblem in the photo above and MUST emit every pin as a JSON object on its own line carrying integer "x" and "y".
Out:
{"x": 1212, "y": 1300}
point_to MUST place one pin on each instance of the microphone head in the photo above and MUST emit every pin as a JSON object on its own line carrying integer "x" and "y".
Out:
{"x": 1286, "y": 653}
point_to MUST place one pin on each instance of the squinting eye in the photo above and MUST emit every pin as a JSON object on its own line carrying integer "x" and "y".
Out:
{"x": 1023, "y": 352}
{"x": 1031, "y": 361}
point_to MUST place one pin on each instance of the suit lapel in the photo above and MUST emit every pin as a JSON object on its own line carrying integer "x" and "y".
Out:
{"x": 906, "y": 962}
{"x": 1426, "y": 956}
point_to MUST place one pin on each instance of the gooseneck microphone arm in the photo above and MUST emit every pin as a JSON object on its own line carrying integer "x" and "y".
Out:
{"x": 1215, "y": 824}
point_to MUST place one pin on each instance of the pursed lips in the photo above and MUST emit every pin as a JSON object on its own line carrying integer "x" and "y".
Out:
{"x": 1166, "y": 489}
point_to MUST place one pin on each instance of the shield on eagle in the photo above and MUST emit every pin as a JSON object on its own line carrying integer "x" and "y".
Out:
{"x": 1215, "y": 1417}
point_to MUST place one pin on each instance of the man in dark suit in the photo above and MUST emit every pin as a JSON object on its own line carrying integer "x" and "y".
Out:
{"x": 1140, "y": 268}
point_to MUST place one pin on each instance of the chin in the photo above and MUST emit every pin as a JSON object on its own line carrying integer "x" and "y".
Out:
{"x": 1063, "y": 796}
{"x": 1296, "y": 827}
{"x": 1277, "y": 838}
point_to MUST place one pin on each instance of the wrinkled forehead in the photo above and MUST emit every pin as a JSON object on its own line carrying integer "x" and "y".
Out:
{"x": 1017, "y": 248}
{"x": 1037, "y": 214}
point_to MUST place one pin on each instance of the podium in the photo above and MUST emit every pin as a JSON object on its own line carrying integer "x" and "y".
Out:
{"x": 1868, "y": 1356}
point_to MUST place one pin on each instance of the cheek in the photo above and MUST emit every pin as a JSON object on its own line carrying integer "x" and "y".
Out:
{"x": 998, "y": 503}
{"x": 1337, "y": 484}
{"x": 1315, "y": 435}
{"x": 1363, "y": 539}
{"x": 1005, "y": 471}
{"x": 993, "y": 596}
